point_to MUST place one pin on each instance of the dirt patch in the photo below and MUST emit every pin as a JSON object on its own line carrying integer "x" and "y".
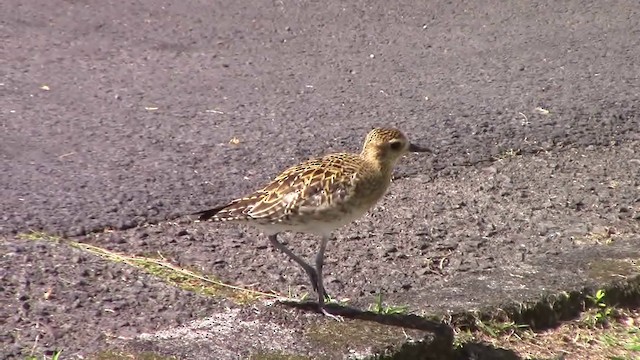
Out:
{"x": 618, "y": 337}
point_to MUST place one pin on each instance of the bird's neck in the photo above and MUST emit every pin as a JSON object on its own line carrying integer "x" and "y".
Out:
{"x": 374, "y": 159}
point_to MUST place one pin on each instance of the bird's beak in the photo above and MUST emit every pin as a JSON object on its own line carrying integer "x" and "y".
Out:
{"x": 416, "y": 148}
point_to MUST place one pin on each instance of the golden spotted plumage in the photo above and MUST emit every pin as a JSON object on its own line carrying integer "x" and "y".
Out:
{"x": 319, "y": 188}
{"x": 320, "y": 195}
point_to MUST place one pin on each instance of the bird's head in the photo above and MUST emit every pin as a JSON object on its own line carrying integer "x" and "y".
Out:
{"x": 385, "y": 146}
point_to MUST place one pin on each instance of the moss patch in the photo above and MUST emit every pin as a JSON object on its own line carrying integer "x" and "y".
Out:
{"x": 347, "y": 334}
{"x": 383, "y": 341}
{"x": 608, "y": 269}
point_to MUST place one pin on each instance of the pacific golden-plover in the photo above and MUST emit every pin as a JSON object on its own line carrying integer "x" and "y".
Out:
{"x": 319, "y": 196}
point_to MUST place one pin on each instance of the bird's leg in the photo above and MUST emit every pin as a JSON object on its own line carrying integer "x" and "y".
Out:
{"x": 311, "y": 272}
{"x": 315, "y": 277}
{"x": 322, "y": 293}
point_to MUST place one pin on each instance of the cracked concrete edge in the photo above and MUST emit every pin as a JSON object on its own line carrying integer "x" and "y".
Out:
{"x": 553, "y": 308}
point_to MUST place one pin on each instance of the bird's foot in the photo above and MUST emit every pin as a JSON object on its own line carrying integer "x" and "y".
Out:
{"x": 330, "y": 315}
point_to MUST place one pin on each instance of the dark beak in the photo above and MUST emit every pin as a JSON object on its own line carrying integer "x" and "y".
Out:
{"x": 416, "y": 148}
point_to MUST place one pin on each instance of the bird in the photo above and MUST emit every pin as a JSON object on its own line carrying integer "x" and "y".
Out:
{"x": 319, "y": 196}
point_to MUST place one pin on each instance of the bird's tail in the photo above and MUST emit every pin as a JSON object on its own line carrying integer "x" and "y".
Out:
{"x": 210, "y": 213}
{"x": 236, "y": 210}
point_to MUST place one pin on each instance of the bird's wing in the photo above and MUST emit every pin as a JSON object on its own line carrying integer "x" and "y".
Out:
{"x": 312, "y": 184}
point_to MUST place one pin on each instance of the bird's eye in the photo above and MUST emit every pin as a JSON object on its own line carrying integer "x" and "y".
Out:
{"x": 395, "y": 145}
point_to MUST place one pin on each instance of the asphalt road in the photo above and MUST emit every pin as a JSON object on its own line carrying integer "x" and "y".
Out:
{"x": 143, "y": 99}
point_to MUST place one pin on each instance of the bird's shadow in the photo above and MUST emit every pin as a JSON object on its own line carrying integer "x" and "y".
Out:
{"x": 409, "y": 321}
{"x": 442, "y": 341}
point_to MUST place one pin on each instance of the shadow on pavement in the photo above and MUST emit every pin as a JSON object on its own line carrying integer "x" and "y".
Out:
{"x": 410, "y": 321}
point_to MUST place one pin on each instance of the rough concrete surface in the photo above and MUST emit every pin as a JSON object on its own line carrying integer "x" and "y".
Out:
{"x": 117, "y": 118}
